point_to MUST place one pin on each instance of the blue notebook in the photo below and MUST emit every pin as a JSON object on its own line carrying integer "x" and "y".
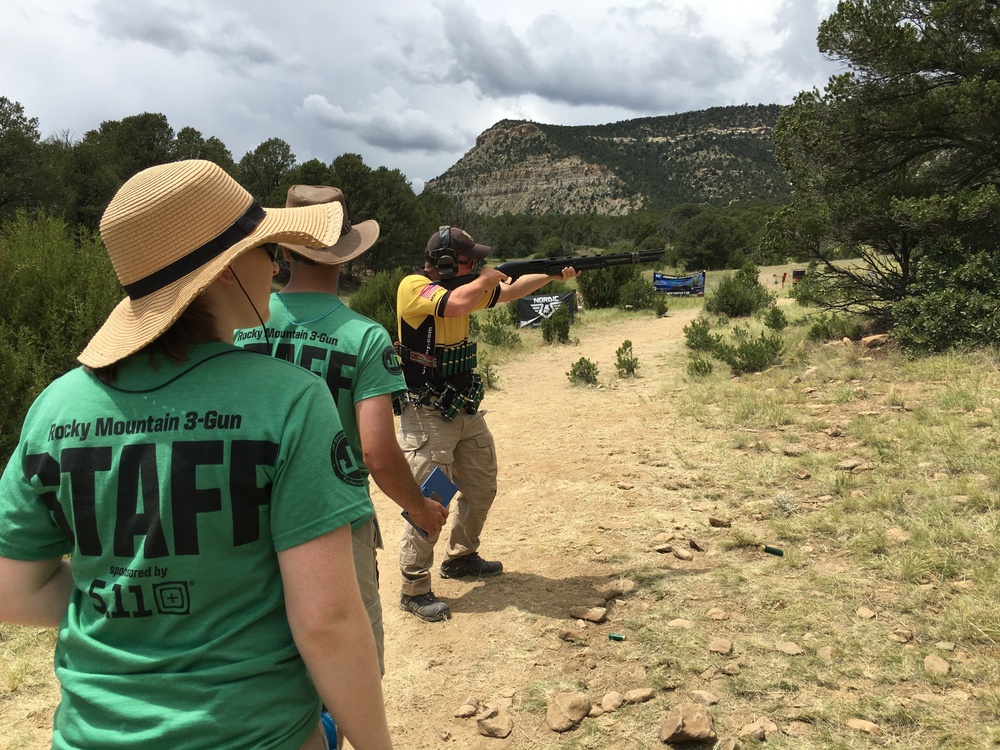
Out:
{"x": 437, "y": 481}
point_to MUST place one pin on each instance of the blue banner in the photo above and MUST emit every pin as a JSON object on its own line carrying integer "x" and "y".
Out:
{"x": 680, "y": 286}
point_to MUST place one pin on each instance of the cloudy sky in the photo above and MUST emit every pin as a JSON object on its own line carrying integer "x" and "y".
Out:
{"x": 407, "y": 84}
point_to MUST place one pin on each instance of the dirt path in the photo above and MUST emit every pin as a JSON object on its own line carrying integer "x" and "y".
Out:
{"x": 577, "y": 466}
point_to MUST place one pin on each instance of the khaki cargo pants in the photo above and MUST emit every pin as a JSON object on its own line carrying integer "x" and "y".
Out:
{"x": 465, "y": 451}
{"x": 364, "y": 541}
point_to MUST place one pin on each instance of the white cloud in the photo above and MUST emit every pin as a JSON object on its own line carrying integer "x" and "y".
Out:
{"x": 405, "y": 85}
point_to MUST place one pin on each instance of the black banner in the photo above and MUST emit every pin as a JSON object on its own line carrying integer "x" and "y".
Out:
{"x": 531, "y": 310}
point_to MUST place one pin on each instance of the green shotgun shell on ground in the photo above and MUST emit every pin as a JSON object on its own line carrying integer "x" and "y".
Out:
{"x": 774, "y": 551}
{"x": 616, "y": 636}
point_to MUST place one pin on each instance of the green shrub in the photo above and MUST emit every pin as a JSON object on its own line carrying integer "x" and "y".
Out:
{"x": 660, "y": 306}
{"x": 376, "y": 299}
{"x": 512, "y": 316}
{"x": 583, "y": 372}
{"x": 739, "y": 295}
{"x": 495, "y": 330}
{"x": 637, "y": 294}
{"x": 699, "y": 367}
{"x": 698, "y": 336}
{"x": 489, "y": 375}
{"x": 57, "y": 291}
{"x": 748, "y": 353}
{"x": 625, "y": 361}
{"x": 832, "y": 327}
{"x": 775, "y": 318}
{"x": 555, "y": 329}
{"x": 948, "y": 317}
{"x": 602, "y": 288}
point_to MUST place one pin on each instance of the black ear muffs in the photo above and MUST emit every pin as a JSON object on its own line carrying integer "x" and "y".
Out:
{"x": 444, "y": 257}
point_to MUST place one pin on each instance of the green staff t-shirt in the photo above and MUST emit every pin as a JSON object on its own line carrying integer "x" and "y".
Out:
{"x": 352, "y": 353}
{"x": 172, "y": 491}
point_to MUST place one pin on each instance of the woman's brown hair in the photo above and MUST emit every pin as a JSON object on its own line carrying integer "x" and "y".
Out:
{"x": 196, "y": 325}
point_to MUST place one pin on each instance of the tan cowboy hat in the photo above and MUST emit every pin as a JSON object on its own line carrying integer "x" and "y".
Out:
{"x": 170, "y": 231}
{"x": 354, "y": 240}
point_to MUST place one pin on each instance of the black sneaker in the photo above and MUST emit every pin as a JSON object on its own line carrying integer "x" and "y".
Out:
{"x": 470, "y": 566}
{"x": 425, "y": 606}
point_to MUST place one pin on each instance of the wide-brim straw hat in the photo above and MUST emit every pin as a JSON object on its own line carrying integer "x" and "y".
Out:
{"x": 354, "y": 239}
{"x": 170, "y": 231}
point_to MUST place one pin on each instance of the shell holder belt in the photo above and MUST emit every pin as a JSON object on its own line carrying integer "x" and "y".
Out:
{"x": 449, "y": 401}
{"x": 446, "y": 360}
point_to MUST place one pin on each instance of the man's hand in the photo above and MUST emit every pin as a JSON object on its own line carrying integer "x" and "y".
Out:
{"x": 432, "y": 515}
{"x": 491, "y": 277}
{"x": 568, "y": 273}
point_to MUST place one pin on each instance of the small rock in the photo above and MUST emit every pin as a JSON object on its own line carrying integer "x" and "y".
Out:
{"x": 760, "y": 729}
{"x": 827, "y": 653}
{"x": 717, "y": 614}
{"x": 611, "y": 701}
{"x": 498, "y": 726}
{"x": 704, "y": 697}
{"x": 466, "y": 710}
{"x": 731, "y": 669}
{"x": 901, "y": 635}
{"x": 595, "y": 711}
{"x": 566, "y": 711}
{"x": 695, "y": 544}
{"x": 721, "y": 646}
{"x": 865, "y": 614}
{"x": 796, "y": 449}
{"x": 680, "y": 622}
{"x": 487, "y": 712}
{"x": 728, "y": 743}
{"x": 944, "y": 646}
{"x": 787, "y": 647}
{"x": 572, "y": 634}
{"x": 796, "y": 729}
{"x": 867, "y": 727}
{"x": 927, "y": 698}
{"x": 682, "y": 554}
{"x": 803, "y": 474}
{"x": 616, "y": 589}
{"x": 688, "y": 722}
{"x": 625, "y": 485}
{"x": 719, "y": 523}
{"x": 709, "y": 673}
{"x": 895, "y": 535}
{"x": 663, "y": 538}
{"x": 876, "y": 340}
{"x": 639, "y": 695}
{"x": 934, "y": 664}
{"x": 664, "y": 549}
{"x": 849, "y": 464}
{"x": 590, "y": 614}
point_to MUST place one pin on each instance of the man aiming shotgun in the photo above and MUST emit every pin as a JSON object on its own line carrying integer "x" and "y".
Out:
{"x": 440, "y": 421}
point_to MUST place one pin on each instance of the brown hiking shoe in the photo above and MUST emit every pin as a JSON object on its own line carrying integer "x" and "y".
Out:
{"x": 470, "y": 566}
{"x": 425, "y": 606}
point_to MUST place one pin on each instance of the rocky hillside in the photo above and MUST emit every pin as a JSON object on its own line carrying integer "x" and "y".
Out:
{"x": 715, "y": 156}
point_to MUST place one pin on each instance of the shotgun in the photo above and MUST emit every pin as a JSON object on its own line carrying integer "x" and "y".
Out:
{"x": 554, "y": 266}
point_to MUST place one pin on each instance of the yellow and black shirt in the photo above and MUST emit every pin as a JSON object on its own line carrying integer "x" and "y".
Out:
{"x": 429, "y": 337}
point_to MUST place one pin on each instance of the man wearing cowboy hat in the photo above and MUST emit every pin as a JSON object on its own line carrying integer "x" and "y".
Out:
{"x": 311, "y": 326}
{"x": 195, "y": 500}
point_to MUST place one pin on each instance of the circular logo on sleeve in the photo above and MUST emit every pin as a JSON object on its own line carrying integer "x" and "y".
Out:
{"x": 345, "y": 466}
{"x": 390, "y": 360}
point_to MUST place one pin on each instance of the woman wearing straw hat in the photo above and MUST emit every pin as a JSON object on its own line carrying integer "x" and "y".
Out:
{"x": 196, "y": 489}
